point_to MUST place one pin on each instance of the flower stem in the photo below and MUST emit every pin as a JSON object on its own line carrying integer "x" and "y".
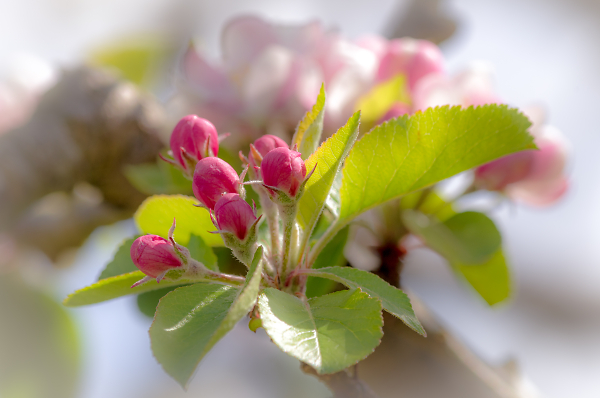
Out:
{"x": 288, "y": 215}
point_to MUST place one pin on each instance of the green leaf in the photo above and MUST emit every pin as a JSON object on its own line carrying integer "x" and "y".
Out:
{"x": 200, "y": 251}
{"x": 155, "y": 216}
{"x": 147, "y": 302}
{"x": 39, "y": 343}
{"x": 328, "y": 160}
{"x": 190, "y": 320}
{"x": 432, "y": 204}
{"x": 329, "y": 333}
{"x": 331, "y": 256}
{"x": 157, "y": 178}
{"x": 117, "y": 286}
{"x": 121, "y": 262}
{"x": 409, "y": 153}
{"x": 333, "y": 201}
{"x": 467, "y": 238}
{"x": 375, "y": 104}
{"x": 309, "y": 130}
{"x": 393, "y": 300}
{"x": 491, "y": 279}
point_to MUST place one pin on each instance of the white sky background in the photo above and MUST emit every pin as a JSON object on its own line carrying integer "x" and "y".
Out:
{"x": 543, "y": 51}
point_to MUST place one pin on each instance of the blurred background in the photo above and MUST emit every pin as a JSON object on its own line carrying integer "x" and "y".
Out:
{"x": 543, "y": 53}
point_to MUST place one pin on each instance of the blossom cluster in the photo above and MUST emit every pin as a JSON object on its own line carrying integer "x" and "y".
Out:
{"x": 281, "y": 175}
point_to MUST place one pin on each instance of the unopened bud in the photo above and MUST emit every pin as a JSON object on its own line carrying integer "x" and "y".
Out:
{"x": 234, "y": 215}
{"x": 284, "y": 170}
{"x": 193, "y": 139}
{"x": 264, "y": 145}
{"x": 212, "y": 178}
{"x": 155, "y": 256}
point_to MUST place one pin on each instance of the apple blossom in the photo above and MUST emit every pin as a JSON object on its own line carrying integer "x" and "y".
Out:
{"x": 193, "y": 138}
{"x": 283, "y": 169}
{"x": 212, "y": 178}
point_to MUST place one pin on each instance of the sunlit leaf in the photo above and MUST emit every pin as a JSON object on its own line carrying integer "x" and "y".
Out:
{"x": 329, "y": 333}
{"x": 393, "y": 300}
{"x": 467, "y": 238}
{"x": 308, "y": 133}
{"x": 407, "y": 154}
{"x": 328, "y": 160}
{"x": 158, "y": 178}
{"x": 156, "y": 214}
{"x": 200, "y": 251}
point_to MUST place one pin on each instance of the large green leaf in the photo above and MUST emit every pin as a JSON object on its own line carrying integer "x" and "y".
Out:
{"x": 410, "y": 153}
{"x": 328, "y": 160}
{"x": 491, "y": 279}
{"x": 330, "y": 333}
{"x": 331, "y": 256}
{"x": 309, "y": 130}
{"x": 121, "y": 262}
{"x": 467, "y": 238}
{"x": 155, "y": 216}
{"x": 190, "y": 320}
{"x": 393, "y": 300}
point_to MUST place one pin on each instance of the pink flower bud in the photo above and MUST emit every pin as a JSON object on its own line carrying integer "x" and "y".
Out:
{"x": 264, "y": 145}
{"x": 198, "y": 138}
{"x": 268, "y": 142}
{"x": 154, "y": 255}
{"x": 284, "y": 169}
{"x": 414, "y": 58}
{"x": 234, "y": 215}
{"x": 212, "y": 178}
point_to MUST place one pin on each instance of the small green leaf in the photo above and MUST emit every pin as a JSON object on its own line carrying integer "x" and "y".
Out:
{"x": 155, "y": 216}
{"x": 375, "y": 104}
{"x": 200, "y": 251}
{"x": 190, "y": 320}
{"x": 309, "y": 130}
{"x": 331, "y": 256}
{"x": 393, "y": 300}
{"x": 465, "y": 238}
{"x": 147, "y": 302}
{"x": 117, "y": 286}
{"x": 432, "y": 204}
{"x": 328, "y": 160}
{"x": 158, "y": 178}
{"x": 121, "y": 262}
{"x": 329, "y": 333}
{"x": 409, "y": 153}
{"x": 491, "y": 279}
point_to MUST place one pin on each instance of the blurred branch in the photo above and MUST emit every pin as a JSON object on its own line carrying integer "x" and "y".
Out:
{"x": 85, "y": 129}
{"x": 422, "y": 19}
{"x": 344, "y": 384}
